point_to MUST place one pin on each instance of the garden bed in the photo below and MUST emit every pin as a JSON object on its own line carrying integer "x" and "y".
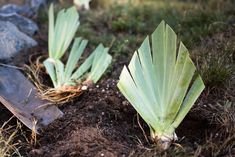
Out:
{"x": 101, "y": 122}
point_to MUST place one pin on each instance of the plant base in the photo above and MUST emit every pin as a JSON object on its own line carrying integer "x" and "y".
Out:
{"x": 163, "y": 142}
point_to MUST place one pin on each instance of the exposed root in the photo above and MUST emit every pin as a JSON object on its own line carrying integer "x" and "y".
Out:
{"x": 37, "y": 74}
{"x": 60, "y": 96}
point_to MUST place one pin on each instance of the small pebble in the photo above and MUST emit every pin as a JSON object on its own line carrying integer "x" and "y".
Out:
{"x": 125, "y": 103}
{"x": 36, "y": 152}
{"x": 84, "y": 87}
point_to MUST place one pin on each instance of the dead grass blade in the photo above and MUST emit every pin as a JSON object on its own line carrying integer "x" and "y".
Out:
{"x": 7, "y": 145}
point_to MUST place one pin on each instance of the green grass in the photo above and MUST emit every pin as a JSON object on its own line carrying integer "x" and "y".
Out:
{"x": 192, "y": 21}
{"x": 215, "y": 57}
{"x": 216, "y": 73}
{"x": 124, "y": 26}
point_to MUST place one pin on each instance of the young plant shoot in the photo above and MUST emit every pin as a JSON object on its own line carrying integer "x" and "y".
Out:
{"x": 60, "y": 37}
{"x": 61, "y": 32}
{"x": 159, "y": 85}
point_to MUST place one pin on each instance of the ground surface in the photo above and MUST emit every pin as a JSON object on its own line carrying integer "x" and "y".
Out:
{"x": 102, "y": 123}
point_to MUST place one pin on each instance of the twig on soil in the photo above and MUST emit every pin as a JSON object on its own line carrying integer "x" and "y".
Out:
{"x": 178, "y": 145}
{"x": 34, "y": 134}
{"x": 43, "y": 106}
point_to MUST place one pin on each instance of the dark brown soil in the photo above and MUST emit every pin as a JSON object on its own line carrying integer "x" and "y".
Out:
{"x": 102, "y": 123}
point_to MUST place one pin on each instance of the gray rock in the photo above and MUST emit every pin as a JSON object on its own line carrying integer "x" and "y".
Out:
{"x": 24, "y": 10}
{"x": 24, "y": 24}
{"x": 12, "y": 41}
{"x": 29, "y": 9}
{"x": 36, "y": 4}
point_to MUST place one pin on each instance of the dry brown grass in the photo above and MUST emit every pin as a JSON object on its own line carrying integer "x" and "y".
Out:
{"x": 7, "y": 145}
{"x": 221, "y": 140}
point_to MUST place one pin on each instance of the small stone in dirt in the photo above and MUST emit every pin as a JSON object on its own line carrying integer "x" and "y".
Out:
{"x": 24, "y": 24}
{"x": 84, "y": 87}
{"x": 36, "y": 152}
{"x": 125, "y": 103}
{"x": 12, "y": 41}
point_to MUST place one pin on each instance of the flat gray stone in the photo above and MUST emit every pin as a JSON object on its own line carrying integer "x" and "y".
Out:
{"x": 24, "y": 10}
{"x": 12, "y": 41}
{"x": 24, "y": 24}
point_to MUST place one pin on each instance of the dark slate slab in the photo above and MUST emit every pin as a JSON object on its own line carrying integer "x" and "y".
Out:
{"x": 19, "y": 96}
